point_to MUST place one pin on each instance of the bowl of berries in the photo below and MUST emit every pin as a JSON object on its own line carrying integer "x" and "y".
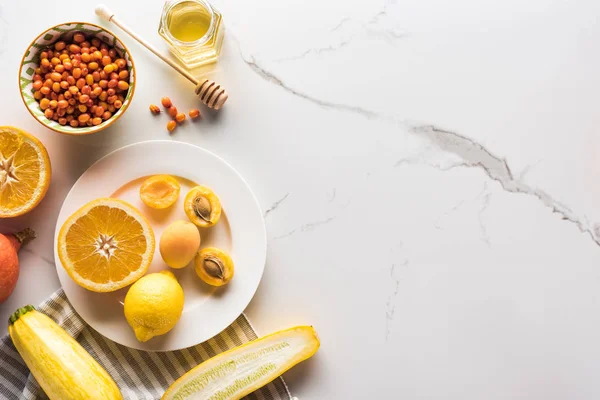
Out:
{"x": 77, "y": 78}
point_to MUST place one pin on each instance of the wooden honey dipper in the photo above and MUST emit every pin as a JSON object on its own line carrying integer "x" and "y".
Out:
{"x": 210, "y": 93}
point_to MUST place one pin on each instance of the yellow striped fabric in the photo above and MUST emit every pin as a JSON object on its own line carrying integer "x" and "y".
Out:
{"x": 140, "y": 375}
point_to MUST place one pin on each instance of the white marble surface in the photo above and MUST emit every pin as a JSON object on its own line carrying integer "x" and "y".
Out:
{"x": 429, "y": 177}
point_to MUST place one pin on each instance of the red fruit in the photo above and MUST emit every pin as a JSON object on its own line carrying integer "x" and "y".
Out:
{"x": 9, "y": 261}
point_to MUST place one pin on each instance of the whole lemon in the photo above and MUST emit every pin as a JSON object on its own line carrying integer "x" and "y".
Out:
{"x": 153, "y": 305}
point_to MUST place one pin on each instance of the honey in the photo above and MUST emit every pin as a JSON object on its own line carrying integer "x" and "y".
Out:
{"x": 194, "y": 31}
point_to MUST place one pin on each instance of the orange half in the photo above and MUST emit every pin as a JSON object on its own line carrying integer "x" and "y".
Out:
{"x": 106, "y": 245}
{"x": 24, "y": 172}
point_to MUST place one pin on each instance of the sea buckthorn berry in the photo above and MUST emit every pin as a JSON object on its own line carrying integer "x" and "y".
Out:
{"x": 172, "y": 111}
{"x": 60, "y": 45}
{"x": 96, "y": 121}
{"x": 195, "y": 113}
{"x": 180, "y": 117}
{"x": 123, "y": 85}
{"x": 171, "y": 125}
{"x": 154, "y": 109}
{"x": 78, "y": 37}
{"x": 166, "y": 102}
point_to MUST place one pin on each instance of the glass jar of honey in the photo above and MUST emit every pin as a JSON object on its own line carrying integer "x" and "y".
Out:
{"x": 194, "y": 31}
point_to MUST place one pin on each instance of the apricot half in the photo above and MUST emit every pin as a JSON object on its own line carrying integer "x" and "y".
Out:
{"x": 214, "y": 266}
{"x": 202, "y": 206}
{"x": 160, "y": 191}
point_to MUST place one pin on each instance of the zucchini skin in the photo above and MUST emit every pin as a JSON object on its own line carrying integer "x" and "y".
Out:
{"x": 63, "y": 368}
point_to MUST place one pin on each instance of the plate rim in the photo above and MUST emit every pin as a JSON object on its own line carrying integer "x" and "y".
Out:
{"x": 263, "y": 236}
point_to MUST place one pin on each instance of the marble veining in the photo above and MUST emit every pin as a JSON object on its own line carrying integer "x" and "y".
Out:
{"x": 275, "y": 205}
{"x": 427, "y": 172}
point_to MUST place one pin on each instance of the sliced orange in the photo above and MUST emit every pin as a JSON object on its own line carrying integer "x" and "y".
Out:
{"x": 105, "y": 245}
{"x": 24, "y": 172}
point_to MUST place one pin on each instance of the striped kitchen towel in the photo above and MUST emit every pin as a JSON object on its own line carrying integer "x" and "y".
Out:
{"x": 139, "y": 374}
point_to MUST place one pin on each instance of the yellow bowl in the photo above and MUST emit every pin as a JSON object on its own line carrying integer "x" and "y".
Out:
{"x": 65, "y": 32}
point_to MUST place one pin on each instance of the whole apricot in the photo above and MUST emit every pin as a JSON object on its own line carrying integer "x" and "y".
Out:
{"x": 179, "y": 243}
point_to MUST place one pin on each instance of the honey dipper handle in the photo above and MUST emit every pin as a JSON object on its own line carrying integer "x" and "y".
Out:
{"x": 104, "y": 12}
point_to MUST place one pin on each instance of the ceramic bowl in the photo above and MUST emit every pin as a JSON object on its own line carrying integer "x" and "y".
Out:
{"x": 65, "y": 32}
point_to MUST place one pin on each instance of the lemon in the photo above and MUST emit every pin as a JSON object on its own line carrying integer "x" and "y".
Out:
{"x": 153, "y": 305}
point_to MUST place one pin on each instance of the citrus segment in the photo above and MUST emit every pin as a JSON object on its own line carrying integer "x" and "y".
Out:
{"x": 24, "y": 172}
{"x": 106, "y": 245}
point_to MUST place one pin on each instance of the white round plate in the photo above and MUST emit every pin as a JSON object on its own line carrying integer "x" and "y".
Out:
{"x": 240, "y": 231}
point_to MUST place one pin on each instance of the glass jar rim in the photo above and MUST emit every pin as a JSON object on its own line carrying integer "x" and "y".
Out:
{"x": 205, "y": 38}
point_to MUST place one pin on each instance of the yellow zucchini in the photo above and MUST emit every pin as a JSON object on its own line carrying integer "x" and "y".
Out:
{"x": 59, "y": 364}
{"x": 235, "y": 373}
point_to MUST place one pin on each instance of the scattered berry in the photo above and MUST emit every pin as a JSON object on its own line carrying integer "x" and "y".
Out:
{"x": 166, "y": 102}
{"x": 171, "y": 125}
{"x": 180, "y": 117}
{"x": 172, "y": 111}
{"x": 195, "y": 113}
{"x": 154, "y": 109}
